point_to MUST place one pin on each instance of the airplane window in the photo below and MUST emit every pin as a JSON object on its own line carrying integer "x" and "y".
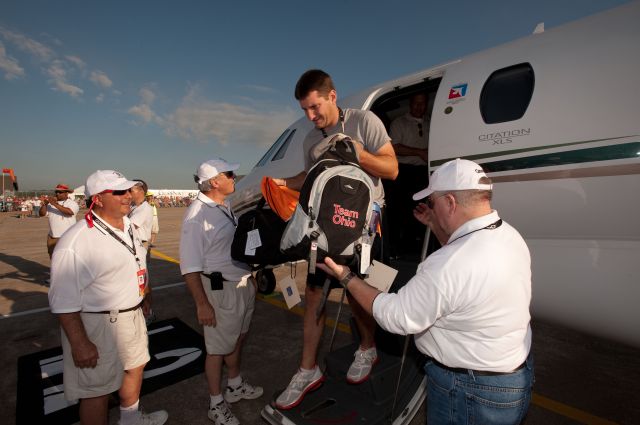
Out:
{"x": 284, "y": 147}
{"x": 507, "y": 93}
{"x": 272, "y": 149}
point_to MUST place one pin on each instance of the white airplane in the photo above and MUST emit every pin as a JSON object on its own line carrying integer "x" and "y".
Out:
{"x": 554, "y": 118}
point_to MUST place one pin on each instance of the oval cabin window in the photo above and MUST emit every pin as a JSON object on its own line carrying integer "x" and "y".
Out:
{"x": 507, "y": 93}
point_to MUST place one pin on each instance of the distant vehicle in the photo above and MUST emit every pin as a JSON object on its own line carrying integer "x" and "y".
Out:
{"x": 554, "y": 119}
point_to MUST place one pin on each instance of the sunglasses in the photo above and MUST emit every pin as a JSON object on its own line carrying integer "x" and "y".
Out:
{"x": 229, "y": 174}
{"x": 420, "y": 129}
{"x": 116, "y": 192}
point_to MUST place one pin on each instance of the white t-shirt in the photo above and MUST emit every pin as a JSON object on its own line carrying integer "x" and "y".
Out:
{"x": 142, "y": 217}
{"x": 405, "y": 130}
{"x": 468, "y": 304}
{"x": 205, "y": 243}
{"x": 59, "y": 222}
{"x": 92, "y": 271}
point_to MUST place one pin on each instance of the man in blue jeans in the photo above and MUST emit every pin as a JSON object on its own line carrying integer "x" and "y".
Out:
{"x": 467, "y": 305}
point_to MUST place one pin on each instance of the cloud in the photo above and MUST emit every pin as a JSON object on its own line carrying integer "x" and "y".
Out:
{"x": 9, "y": 65}
{"x": 100, "y": 98}
{"x": 143, "y": 110}
{"x": 262, "y": 89}
{"x": 37, "y": 49}
{"x": 76, "y": 61}
{"x": 100, "y": 79}
{"x": 147, "y": 95}
{"x": 58, "y": 75}
{"x": 204, "y": 120}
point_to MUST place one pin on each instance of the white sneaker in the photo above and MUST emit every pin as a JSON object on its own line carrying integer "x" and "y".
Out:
{"x": 362, "y": 364}
{"x": 301, "y": 384}
{"x": 220, "y": 414}
{"x": 154, "y": 418}
{"x": 243, "y": 391}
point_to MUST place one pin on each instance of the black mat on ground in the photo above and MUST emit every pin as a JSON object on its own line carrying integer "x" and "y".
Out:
{"x": 177, "y": 353}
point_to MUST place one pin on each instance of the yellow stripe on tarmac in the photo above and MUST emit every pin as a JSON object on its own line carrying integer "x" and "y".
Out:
{"x": 546, "y": 403}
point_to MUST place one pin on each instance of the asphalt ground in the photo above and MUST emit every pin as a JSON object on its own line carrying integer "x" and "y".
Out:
{"x": 579, "y": 378}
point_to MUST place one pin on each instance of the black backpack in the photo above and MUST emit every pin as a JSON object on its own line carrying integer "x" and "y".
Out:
{"x": 334, "y": 210}
{"x": 270, "y": 227}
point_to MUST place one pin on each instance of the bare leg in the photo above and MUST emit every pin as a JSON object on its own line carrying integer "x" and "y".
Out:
{"x": 233, "y": 360}
{"x": 213, "y": 371}
{"x": 365, "y": 322}
{"x": 93, "y": 411}
{"x": 312, "y": 329}
{"x": 130, "y": 389}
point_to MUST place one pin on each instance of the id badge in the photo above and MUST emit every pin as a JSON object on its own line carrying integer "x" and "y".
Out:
{"x": 142, "y": 281}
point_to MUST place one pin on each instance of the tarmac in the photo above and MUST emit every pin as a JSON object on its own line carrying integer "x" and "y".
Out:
{"x": 580, "y": 379}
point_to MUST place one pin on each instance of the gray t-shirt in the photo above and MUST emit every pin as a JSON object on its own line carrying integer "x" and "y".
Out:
{"x": 363, "y": 126}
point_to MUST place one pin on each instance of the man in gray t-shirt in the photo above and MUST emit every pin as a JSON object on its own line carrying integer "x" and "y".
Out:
{"x": 317, "y": 96}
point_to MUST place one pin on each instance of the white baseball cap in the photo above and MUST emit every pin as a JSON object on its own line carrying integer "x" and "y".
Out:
{"x": 459, "y": 174}
{"x": 209, "y": 169}
{"x": 103, "y": 180}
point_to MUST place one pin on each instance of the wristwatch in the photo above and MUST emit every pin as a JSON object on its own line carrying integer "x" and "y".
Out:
{"x": 345, "y": 280}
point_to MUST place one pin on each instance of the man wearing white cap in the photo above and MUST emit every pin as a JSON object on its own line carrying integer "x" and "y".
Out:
{"x": 61, "y": 211}
{"x": 467, "y": 305}
{"x": 98, "y": 280}
{"x": 223, "y": 289}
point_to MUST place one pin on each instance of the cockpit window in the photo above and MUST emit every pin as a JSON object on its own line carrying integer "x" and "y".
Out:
{"x": 507, "y": 93}
{"x": 273, "y": 148}
{"x": 284, "y": 147}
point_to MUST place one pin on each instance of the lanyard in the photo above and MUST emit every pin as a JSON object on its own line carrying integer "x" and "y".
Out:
{"x": 231, "y": 217}
{"x": 132, "y": 250}
{"x": 341, "y": 115}
{"x": 492, "y": 226}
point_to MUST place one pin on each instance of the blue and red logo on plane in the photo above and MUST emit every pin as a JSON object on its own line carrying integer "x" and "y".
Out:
{"x": 458, "y": 91}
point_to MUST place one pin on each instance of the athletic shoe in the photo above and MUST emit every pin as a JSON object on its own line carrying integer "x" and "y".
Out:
{"x": 301, "y": 384}
{"x": 154, "y": 418}
{"x": 243, "y": 391}
{"x": 221, "y": 415}
{"x": 362, "y": 364}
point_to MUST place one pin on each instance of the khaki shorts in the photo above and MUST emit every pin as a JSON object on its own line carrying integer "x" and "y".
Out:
{"x": 121, "y": 346}
{"x": 233, "y": 306}
{"x": 51, "y": 244}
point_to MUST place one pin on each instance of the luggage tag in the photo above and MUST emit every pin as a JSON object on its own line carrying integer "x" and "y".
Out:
{"x": 253, "y": 242}
{"x": 381, "y": 276}
{"x": 142, "y": 281}
{"x": 289, "y": 291}
{"x": 365, "y": 256}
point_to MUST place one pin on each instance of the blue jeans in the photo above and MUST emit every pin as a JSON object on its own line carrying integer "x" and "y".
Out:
{"x": 466, "y": 398}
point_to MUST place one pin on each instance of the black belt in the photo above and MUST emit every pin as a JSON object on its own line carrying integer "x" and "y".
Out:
{"x": 476, "y": 372}
{"x": 119, "y": 311}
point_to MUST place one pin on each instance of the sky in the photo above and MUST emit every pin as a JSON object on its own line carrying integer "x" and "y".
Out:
{"x": 153, "y": 88}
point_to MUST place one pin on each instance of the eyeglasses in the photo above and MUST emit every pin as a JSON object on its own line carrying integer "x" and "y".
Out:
{"x": 420, "y": 129}
{"x": 116, "y": 192}
{"x": 430, "y": 201}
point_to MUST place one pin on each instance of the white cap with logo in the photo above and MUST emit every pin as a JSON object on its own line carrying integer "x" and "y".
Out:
{"x": 103, "y": 180}
{"x": 459, "y": 174}
{"x": 209, "y": 169}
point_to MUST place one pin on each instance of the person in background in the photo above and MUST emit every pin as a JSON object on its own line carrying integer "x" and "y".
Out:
{"x": 155, "y": 226}
{"x": 98, "y": 280}
{"x": 223, "y": 289}
{"x": 61, "y": 212}
{"x": 467, "y": 305}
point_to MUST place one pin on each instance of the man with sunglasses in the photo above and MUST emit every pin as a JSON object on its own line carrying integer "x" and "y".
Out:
{"x": 222, "y": 288}
{"x": 61, "y": 211}
{"x": 98, "y": 281}
{"x": 409, "y": 136}
{"x": 467, "y": 305}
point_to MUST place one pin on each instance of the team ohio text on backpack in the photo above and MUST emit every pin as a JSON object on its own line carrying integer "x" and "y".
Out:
{"x": 334, "y": 209}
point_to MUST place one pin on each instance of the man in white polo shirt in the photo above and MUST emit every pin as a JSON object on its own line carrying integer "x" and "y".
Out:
{"x": 61, "y": 212}
{"x": 467, "y": 305}
{"x": 98, "y": 280}
{"x": 223, "y": 289}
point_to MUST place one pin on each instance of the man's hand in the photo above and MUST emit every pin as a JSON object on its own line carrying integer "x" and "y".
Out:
{"x": 206, "y": 314}
{"x": 146, "y": 304}
{"x": 422, "y": 213}
{"x": 332, "y": 269}
{"x": 85, "y": 354}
